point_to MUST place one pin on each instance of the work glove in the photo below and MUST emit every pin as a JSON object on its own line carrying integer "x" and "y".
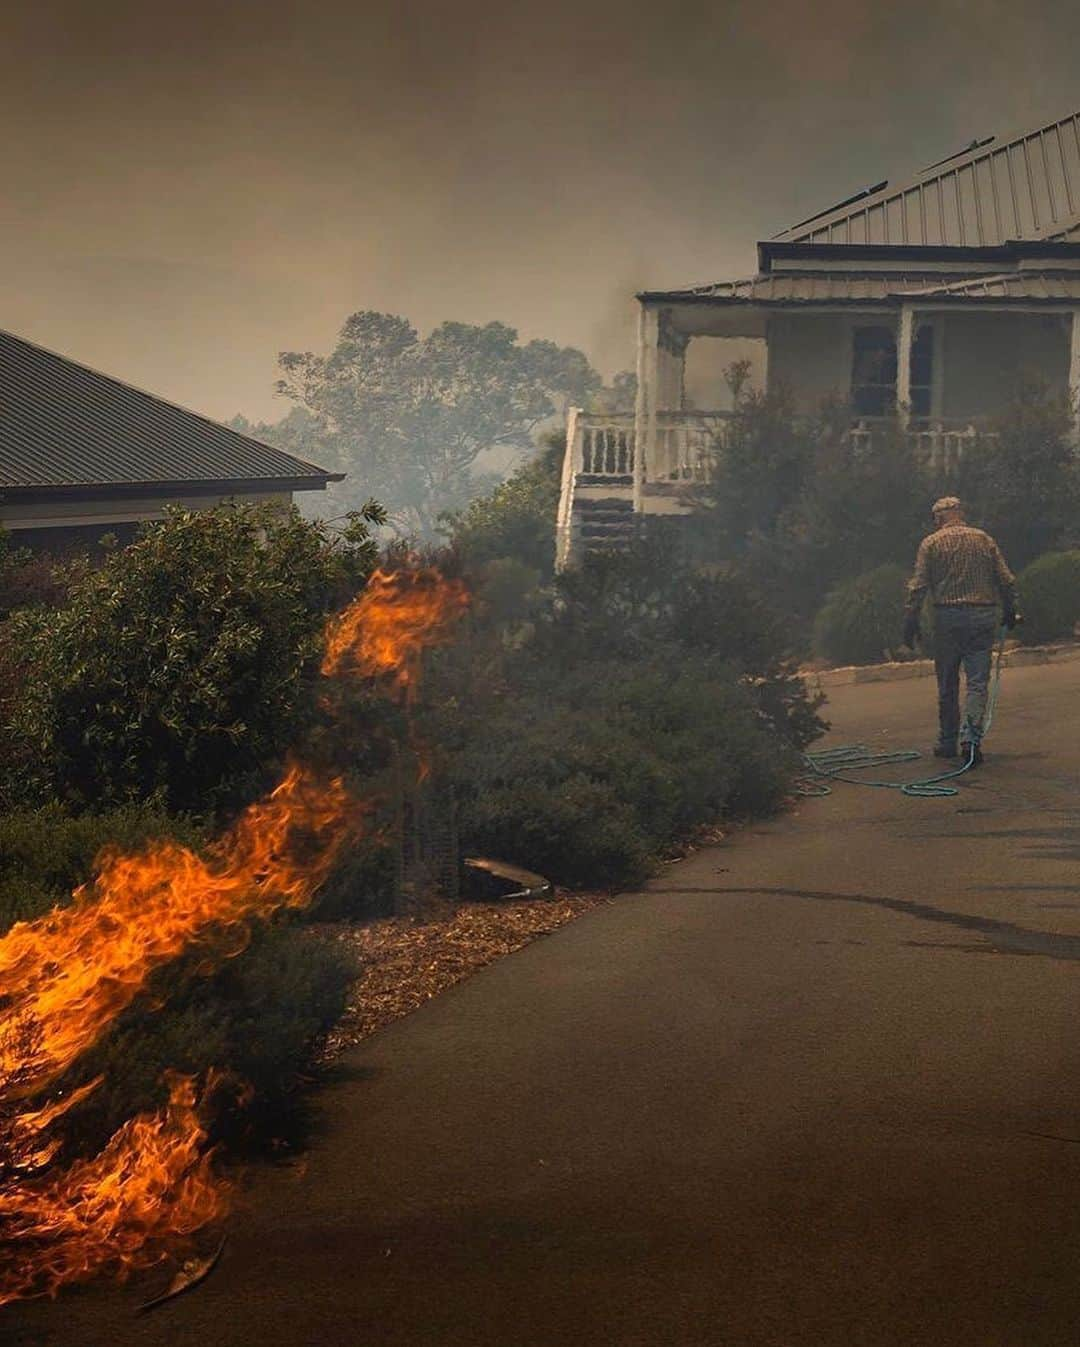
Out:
{"x": 1010, "y": 618}
{"x": 912, "y": 632}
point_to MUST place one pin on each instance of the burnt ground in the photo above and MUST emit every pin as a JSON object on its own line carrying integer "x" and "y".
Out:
{"x": 819, "y": 1085}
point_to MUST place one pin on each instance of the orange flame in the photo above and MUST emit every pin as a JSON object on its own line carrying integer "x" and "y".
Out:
{"x": 127, "y": 1208}
{"x": 65, "y": 977}
{"x": 387, "y": 627}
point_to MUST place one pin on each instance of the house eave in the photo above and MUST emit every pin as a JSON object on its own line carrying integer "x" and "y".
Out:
{"x": 911, "y": 254}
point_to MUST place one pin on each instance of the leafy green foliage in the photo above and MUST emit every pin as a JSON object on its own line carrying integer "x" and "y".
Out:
{"x": 410, "y": 416}
{"x": 654, "y": 600}
{"x": 181, "y": 669}
{"x": 1049, "y": 591}
{"x": 256, "y": 1014}
{"x": 861, "y": 619}
{"x": 823, "y": 508}
{"x": 1023, "y": 486}
{"x": 589, "y": 785}
{"x": 516, "y": 521}
{"x": 641, "y": 698}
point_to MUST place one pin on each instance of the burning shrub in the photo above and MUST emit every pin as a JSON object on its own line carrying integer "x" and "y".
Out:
{"x": 46, "y": 853}
{"x": 257, "y": 1016}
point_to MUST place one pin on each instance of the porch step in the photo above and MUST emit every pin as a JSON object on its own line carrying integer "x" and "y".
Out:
{"x": 607, "y": 524}
{"x": 597, "y": 479}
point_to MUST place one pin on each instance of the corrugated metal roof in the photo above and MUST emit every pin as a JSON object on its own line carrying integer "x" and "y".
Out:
{"x": 1024, "y": 187}
{"x": 63, "y": 424}
{"x": 808, "y": 287}
{"x": 1030, "y": 285}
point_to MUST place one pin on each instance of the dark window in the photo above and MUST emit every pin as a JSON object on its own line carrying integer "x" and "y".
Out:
{"x": 922, "y": 371}
{"x": 873, "y": 371}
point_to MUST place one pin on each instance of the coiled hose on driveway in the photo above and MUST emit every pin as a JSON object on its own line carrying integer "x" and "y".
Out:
{"x": 837, "y": 764}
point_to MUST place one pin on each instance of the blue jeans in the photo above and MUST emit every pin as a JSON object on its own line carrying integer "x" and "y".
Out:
{"x": 963, "y": 635}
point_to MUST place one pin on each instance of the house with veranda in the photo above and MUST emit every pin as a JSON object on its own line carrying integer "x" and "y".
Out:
{"x": 925, "y": 300}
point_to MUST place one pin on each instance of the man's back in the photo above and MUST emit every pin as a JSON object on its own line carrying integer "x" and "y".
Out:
{"x": 960, "y": 564}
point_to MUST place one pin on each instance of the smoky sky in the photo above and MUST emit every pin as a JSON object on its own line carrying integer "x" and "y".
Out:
{"x": 189, "y": 189}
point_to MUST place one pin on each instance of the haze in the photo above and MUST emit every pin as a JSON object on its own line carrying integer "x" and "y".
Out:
{"x": 190, "y": 189}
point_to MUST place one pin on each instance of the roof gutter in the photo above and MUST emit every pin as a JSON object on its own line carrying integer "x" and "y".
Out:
{"x": 31, "y": 493}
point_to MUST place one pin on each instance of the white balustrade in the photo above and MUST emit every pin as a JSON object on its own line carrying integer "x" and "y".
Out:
{"x": 606, "y": 447}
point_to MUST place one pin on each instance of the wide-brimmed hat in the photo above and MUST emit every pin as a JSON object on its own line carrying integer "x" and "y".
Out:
{"x": 946, "y": 503}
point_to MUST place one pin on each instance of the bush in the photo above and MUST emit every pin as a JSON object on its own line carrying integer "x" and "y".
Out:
{"x": 1023, "y": 484}
{"x": 363, "y": 884}
{"x": 652, "y": 603}
{"x": 580, "y": 833}
{"x": 183, "y": 666}
{"x": 256, "y": 1015}
{"x": 1049, "y": 591}
{"x": 862, "y": 619}
{"x": 517, "y": 520}
{"x": 587, "y": 774}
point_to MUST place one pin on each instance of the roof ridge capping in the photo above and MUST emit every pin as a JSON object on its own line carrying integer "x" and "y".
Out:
{"x": 1019, "y": 187}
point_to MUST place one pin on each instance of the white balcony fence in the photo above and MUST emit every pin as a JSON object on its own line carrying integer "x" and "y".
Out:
{"x": 939, "y": 444}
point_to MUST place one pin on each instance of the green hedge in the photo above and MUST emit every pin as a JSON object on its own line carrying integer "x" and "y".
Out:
{"x": 1049, "y": 592}
{"x": 862, "y": 620}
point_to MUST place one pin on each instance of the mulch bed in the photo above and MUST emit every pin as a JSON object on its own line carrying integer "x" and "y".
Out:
{"x": 405, "y": 961}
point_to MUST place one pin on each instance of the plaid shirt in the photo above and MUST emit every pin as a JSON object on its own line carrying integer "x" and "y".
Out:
{"x": 960, "y": 564}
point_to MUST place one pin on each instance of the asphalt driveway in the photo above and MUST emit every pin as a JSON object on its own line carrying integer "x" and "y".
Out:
{"x": 818, "y": 1085}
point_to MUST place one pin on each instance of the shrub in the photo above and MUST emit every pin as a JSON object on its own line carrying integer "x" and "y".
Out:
{"x": 1049, "y": 591}
{"x": 862, "y": 619}
{"x": 652, "y": 602}
{"x": 363, "y": 884}
{"x": 256, "y": 1015}
{"x": 580, "y": 833}
{"x": 1023, "y": 484}
{"x": 586, "y": 774}
{"x": 182, "y": 666}
{"x": 517, "y": 520}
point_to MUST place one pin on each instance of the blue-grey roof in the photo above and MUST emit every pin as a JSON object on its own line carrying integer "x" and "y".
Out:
{"x": 65, "y": 425}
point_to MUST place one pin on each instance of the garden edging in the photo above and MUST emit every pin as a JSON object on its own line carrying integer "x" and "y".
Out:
{"x": 1017, "y": 657}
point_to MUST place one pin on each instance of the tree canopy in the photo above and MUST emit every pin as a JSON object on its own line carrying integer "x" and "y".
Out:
{"x": 408, "y": 417}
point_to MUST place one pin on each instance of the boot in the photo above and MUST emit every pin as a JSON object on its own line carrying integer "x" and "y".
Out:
{"x": 972, "y": 751}
{"x": 945, "y": 748}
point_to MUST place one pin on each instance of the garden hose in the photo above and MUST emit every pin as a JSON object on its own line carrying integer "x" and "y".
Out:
{"x": 834, "y": 764}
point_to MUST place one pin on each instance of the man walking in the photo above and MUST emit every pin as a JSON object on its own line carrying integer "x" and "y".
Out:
{"x": 966, "y": 576}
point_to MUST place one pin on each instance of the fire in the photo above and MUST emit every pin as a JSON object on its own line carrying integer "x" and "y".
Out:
{"x": 66, "y": 977}
{"x": 129, "y": 1207}
{"x": 386, "y": 629}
